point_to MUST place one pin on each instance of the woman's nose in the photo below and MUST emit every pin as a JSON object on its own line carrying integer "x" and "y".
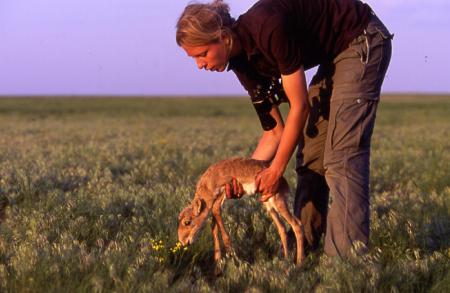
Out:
{"x": 200, "y": 64}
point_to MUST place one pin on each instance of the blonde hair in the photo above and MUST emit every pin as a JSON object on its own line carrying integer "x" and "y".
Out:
{"x": 204, "y": 24}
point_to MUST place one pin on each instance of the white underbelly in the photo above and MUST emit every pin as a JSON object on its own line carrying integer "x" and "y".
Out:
{"x": 250, "y": 188}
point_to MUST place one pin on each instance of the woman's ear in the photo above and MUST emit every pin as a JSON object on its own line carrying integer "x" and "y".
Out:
{"x": 226, "y": 38}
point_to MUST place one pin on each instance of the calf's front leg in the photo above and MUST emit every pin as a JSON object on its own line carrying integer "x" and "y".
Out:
{"x": 216, "y": 212}
{"x": 215, "y": 233}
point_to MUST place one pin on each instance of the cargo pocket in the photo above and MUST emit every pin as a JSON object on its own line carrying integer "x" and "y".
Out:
{"x": 350, "y": 64}
{"x": 348, "y": 124}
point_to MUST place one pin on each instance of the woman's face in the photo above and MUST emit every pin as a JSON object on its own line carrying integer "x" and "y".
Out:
{"x": 213, "y": 57}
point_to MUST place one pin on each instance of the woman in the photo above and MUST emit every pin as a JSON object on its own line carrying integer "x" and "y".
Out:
{"x": 331, "y": 122}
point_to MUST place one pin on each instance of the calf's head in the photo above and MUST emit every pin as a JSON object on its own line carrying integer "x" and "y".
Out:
{"x": 191, "y": 220}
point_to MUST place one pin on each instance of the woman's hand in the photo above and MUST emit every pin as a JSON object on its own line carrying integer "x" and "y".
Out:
{"x": 267, "y": 182}
{"x": 234, "y": 189}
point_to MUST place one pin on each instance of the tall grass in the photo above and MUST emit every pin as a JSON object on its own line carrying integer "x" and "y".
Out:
{"x": 93, "y": 187}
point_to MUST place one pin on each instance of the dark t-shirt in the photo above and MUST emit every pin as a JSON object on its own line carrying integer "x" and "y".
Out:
{"x": 280, "y": 36}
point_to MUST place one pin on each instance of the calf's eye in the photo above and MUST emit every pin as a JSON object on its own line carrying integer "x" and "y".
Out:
{"x": 187, "y": 223}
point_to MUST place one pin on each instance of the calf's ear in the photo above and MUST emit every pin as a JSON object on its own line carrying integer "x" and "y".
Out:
{"x": 197, "y": 206}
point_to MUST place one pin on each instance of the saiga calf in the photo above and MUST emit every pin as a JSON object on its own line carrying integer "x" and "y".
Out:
{"x": 210, "y": 195}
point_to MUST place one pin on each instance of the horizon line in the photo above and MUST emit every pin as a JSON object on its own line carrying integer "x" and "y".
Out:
{"x": 187, "y": 96}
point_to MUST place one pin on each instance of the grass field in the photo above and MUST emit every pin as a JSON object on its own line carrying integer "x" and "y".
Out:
{"x": 93, "y": 187}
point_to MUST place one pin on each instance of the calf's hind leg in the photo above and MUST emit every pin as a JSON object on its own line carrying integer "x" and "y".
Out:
{"x": 280, "y": 205}
{"x": 279, "y": 224}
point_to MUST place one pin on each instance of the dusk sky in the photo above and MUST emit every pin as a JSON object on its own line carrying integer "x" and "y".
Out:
{"x": 127, "y": 47}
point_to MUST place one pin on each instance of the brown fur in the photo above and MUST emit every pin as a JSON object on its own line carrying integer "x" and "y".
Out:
{"x": 210, "y": 194}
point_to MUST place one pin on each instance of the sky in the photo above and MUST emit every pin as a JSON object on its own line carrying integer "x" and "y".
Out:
{"x": 127, "y": 47}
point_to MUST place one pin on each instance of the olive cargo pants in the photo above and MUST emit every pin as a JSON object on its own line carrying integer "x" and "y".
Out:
{"x": 333, "y": 156}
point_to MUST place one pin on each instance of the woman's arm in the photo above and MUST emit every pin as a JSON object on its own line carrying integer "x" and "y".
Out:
{"x": 269, "y": 141}
{"x": 295, "y": 88}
